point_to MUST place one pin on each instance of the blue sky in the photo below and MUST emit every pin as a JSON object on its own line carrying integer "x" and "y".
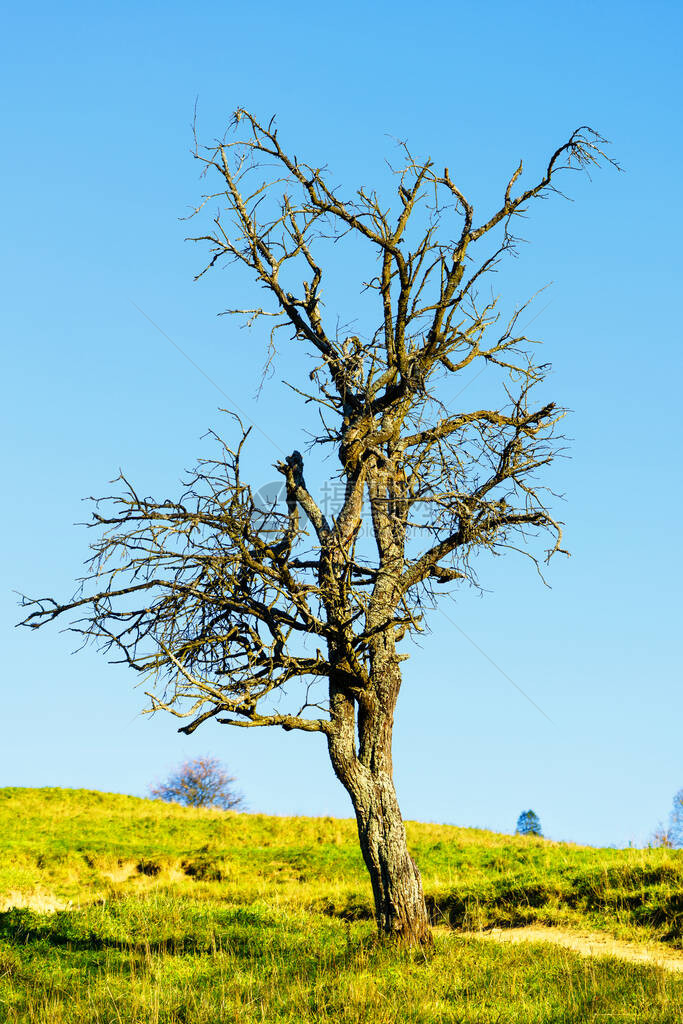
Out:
{"x": 98, "y": 103}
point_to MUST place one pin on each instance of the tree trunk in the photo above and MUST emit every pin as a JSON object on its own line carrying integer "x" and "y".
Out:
{"x": 359, "y": 741}
{"x": 396, "y": 883}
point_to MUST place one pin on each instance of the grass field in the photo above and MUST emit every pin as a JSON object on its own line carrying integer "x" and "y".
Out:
{"x": 118, "y": 909}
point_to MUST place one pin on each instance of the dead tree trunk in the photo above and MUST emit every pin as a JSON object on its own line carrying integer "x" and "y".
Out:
{"x": 396, "y": 883}
{"x": 366, "y": 772}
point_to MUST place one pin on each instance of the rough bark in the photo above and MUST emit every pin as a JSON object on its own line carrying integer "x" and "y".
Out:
{"x": 367, "y": 775}
{"x": 396, "y": 883}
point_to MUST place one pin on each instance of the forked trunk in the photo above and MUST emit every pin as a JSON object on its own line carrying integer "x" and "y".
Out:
{"x": 396, "y": 882}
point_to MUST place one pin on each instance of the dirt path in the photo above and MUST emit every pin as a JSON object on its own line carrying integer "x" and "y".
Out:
{"x": 588, "y": 944}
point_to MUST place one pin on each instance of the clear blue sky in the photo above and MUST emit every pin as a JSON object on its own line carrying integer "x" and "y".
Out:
{"x": 98, "y": 103}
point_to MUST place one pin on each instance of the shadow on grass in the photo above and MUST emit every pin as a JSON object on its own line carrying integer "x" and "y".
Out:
{"x": 70, "y": 930}
{"x": 648, "y": 897}
{"x": 240, "y": 933}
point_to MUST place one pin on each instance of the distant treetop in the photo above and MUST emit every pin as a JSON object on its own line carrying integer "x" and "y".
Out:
{"x": 676, "y": 822}
{"x": 202, "y": 782}
{"x": 528, "y": 824}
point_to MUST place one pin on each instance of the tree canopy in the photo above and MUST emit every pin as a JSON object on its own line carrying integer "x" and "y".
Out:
{"x": 528, "y": 824}
{"x": 200, "y": 782}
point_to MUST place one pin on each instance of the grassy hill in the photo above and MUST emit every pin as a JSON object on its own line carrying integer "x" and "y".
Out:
{"x": 114, "y": 908}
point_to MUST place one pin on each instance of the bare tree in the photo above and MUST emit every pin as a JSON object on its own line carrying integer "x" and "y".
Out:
{"x": 226, "y": 608}
{"x": 200, "y": 782}
{"x": 661, "y": 837}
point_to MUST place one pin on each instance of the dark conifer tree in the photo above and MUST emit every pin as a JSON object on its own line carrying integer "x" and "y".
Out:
{"x": 528, "y": 824}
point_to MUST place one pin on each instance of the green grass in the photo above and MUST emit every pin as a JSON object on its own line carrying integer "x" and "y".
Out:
{"x": 176, "y": 915}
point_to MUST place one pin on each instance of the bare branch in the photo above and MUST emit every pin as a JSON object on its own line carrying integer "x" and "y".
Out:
{"x": 235, "y": 611}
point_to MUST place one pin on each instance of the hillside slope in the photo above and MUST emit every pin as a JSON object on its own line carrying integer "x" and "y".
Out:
{"x": 154, "y": 902}
{"x": 84, "y": 846}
